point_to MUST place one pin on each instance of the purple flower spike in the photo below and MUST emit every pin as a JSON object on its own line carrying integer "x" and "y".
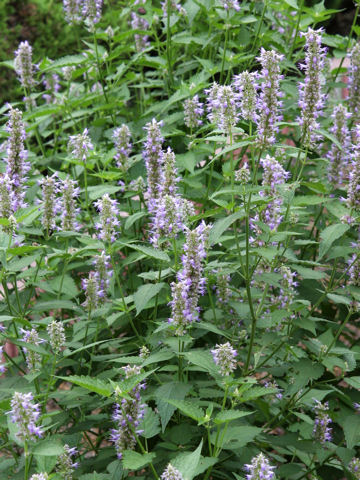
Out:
{"x": 65, "y": 465}
{"x": 73, "y": 11}
{"x": 190, "y": 282}
{"x": 322, "y": 432}
{"x": 103, "y": 271}
{"x": 311, "y": 98}
{"x": 16, "y": 156}
{"x": 108, "y": 223}
{"x": 26, "y": 415}
{"x": 123, "y": 146}
{"x": 171, "y": 473}
{"x": 128, "y": 414}
{"x": 339, "y": 157}
{"x": 39, "y": 476}
{"x": 80, "y": 145}
{"x": 224, "y": 356}
{"x": 91, "y": 10}
{"x": 228, "y": 4}
{"x": 153, "y": 156}
{"x": 23, "y": 65}
{"x": 33, "y": 359}
{"x": 222, "y": 106}
{"x": 140, "y": 23}
{"x": 259, "y": 469}
{"x": 245, "y": 85}
{"x": 268, "y": 103}
{"x": 193, "y": 111}
{"x": 354, "y": 467}
{"x": 354, "y": 83}
{"x": 50, "y": 207}
{"x": 69, "y": 192}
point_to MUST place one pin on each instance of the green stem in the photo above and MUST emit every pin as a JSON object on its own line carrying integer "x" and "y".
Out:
{"x": 26, "y": 454}
{"x": 297, "y": 29}
{"x": 168, "y": 43}
{"x": 338, "y": 333}
{"x": 225, "y": 47}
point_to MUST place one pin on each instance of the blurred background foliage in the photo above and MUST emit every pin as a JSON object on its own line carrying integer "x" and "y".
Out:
{"x": 42, "y": 24}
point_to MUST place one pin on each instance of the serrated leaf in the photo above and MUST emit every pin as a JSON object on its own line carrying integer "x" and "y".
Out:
{"x": 204, "y": 360}
{"x": 150, "y": 252}
{"x": 351, "y": 428}
{"x": 329, "y": 235}
{"x": 188, "y": 408}
{"x": 256, "y": 392}
{"x": 187, "y": 463}
{"x": 339, "y": 298}
{"x": 237, "y": 437}
{"x": 133, "y": 218}
{"x": 48, "y": 447}
{"x": 144, "y": 294}
{"x": 100, "y": 190}
{"x": 172, "y": 390}
{"x": 150, "y": 424}
{"x": 90, "y": 383}
{"x": 133, "y": 460}
{"x": 221, "y": 225}
{"x": 229, "y": 415}
{"x": 66, "y": 61}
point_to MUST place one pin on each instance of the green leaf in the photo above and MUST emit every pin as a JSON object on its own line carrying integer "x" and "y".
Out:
{"x": 237, "y": 437}
{"x": 150, "y": 252}
{"x": 339, "y": 299}
{"x": 54, "y": 304}
{"x": 228, "y": 415}
{"x": 167, "y": 391}
{"x": 48, "y": 447}
{"x": 90, "y": 383}
{"x": 150, "y": 424}
{"x": 66, "y": 61}
{"x": 203, "y": 359}
{"x": 100, "y": 190}
{"x": 144, "y": 294}
{"x": 329, "y": 235}
{"x": 133, "y": 218}
{"x": 351, "y": 428}
{"x": 221, "y": 225}
{"x": 133, "y": 460}
{"x": 188, "y": 408}
{"x": 187, "y": 463}
{"x": 353, "y": 382}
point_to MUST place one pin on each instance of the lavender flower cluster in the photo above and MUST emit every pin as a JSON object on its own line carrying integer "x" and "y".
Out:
{"x": 140, "y": 23}
{"x": 26, "y": 415}
{"x": 23, "y": 65}
{"x": 171, "y": 473}
{"x": 339, "y": 157}
{"x": 259, "y": 469}
{"x": 33, "y": 359}
{"x": 65, "y": 465}
{"x": 354, "y": 82}
{"x": 123, "y": 146}
{"x": 98, "y": 281}
{"x": 274, "y": 175}
{"x": 108, "y": 221}
{"x": 311, "y": 99}
{"x": 88, "y": 11}
{"x": 190, "y": 283}
{"x": 128, "y": 414}
{"x": 16, "y": 160}
{"x": 224, "y": 356}
{"x": 322, "y": 432}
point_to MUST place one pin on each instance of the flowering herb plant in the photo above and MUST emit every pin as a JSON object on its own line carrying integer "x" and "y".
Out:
{"x": 179, "y": 247}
